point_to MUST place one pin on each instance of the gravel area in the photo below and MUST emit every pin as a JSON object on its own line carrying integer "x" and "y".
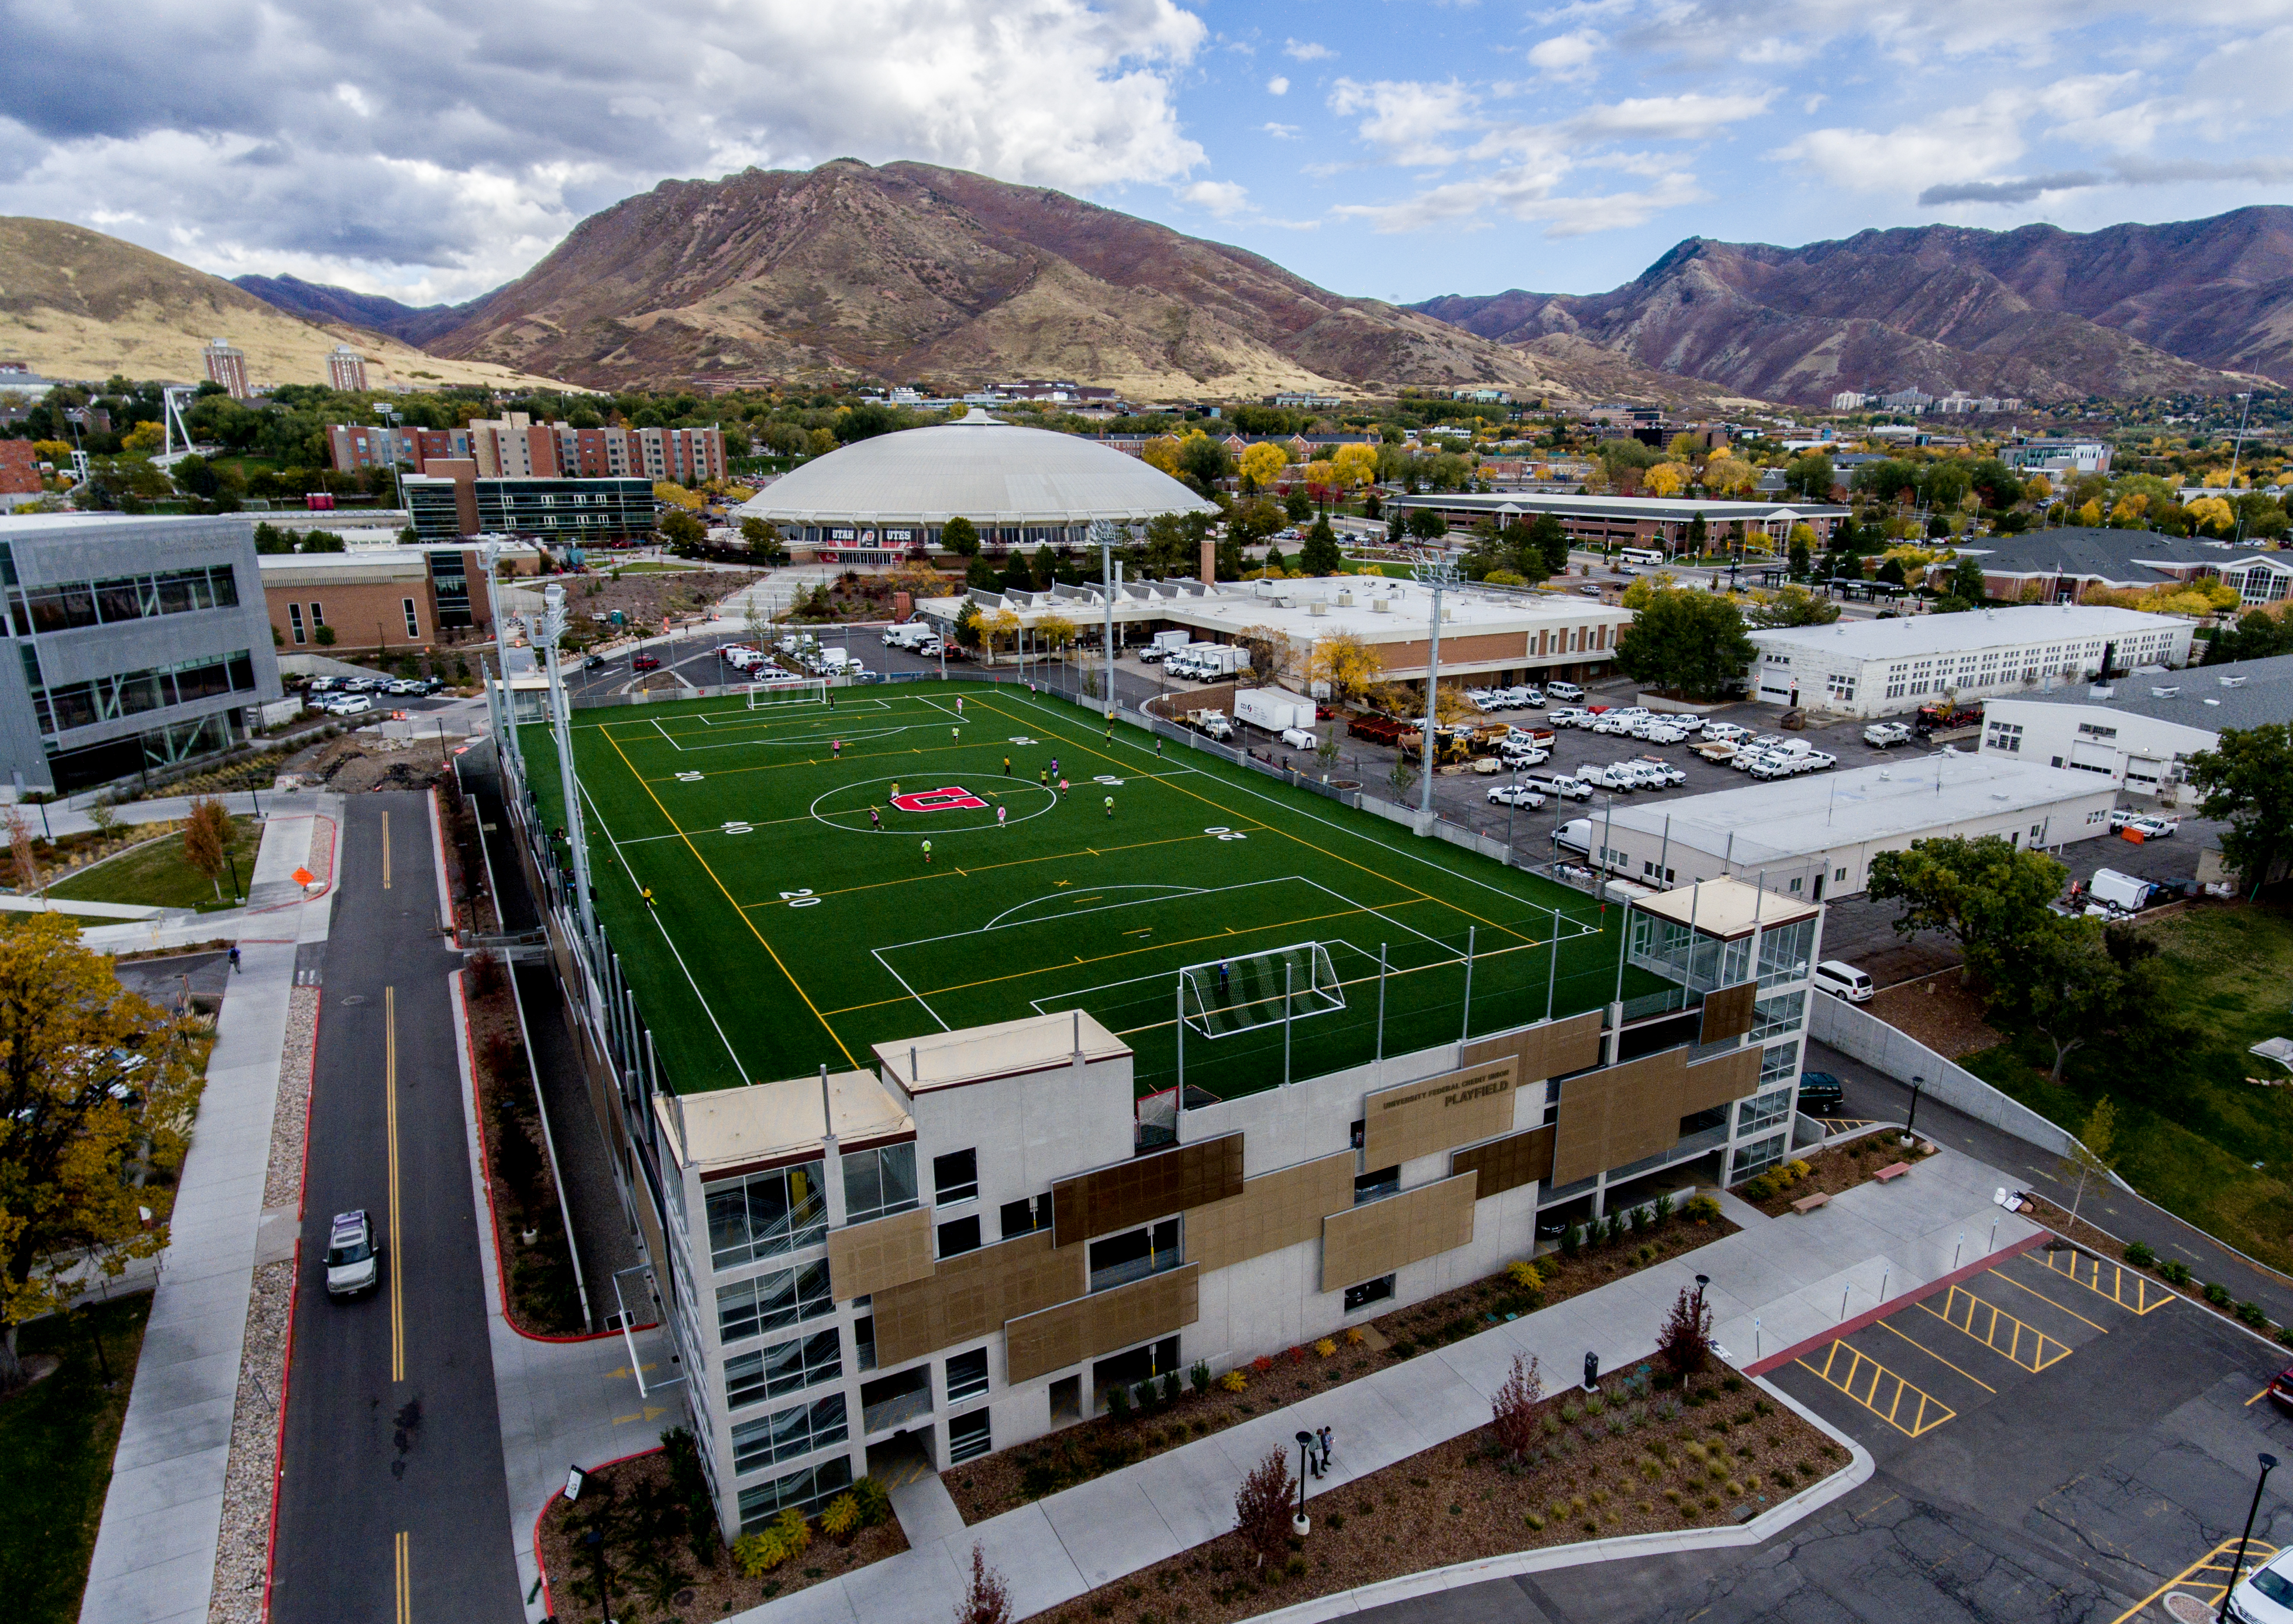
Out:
{"x": 243, "y": 1549}
{"x": 1939, "y": 1011}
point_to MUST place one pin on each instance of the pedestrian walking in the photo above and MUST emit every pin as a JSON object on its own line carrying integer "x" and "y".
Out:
{"x": 928, "y": 853}
{"x": 875, "y": 819}
{"x": 1001, "y": 812}
{"x": 1324, "y": 1436}
{"x": 234, "y": 956}
{"x": 1006, "y": 766}
{"x": 1110, "y": 806}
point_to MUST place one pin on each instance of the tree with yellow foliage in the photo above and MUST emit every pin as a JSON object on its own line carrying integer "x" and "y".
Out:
{"x": 1000, "y": 627}
{"x": 1162, "y": 452}
{"x": 1349, "y": 666}
{"x": 1354, "y": 467}
{"x": 1726, "y": 473}
{"x": 56, "y": 451}
{"x": 2090, "y": 514}
{"x": 676, "y": 496}
{"x": 97, "y": 1091}
{"x": 2212, "y": 513}
{"x": 1666, "y": 479}
{"x": 2129, "y": 509}
{"x": 1685, "y": 448}
{"x": 1322, "y": 475}
{"x": 1262, "y": 465}
{"x": 2038, "y": 488}
{"x": 143, "y": 439}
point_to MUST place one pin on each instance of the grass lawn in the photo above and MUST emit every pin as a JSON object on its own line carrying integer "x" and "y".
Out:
{"x": 155, "y": 874}
{"x": 796, "y": 921}
{"x": 56, "y": 1439}
{"x": 2193, "y": 1135}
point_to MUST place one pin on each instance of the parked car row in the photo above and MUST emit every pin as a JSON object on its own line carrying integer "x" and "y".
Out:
{"x": 405, "y": 687}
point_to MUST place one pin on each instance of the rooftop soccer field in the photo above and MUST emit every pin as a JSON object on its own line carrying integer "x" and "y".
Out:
{"x": 906, "y": 862}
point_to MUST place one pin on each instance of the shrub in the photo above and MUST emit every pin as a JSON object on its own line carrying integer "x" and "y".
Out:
{"x": 1660, "y": 1209}
{"x": 1118, "y": 1402}
{"x": 1702, "y": 1209}
{"x": 1354, "y": 1337}
{"x": 2217, "y": 1294}
{"x": 1262, "y": 1506}
{"x": 1532, "y": 1521}
{"x": 1171, "y": 1389}
{"x": 874, "y": 1500}
{"x": 2140, "y": 1255}
{"x": 758, "y": 1554}
{"x": 1513, "y": 1411}
{"x": 1325, "y": 1348}
{"x": 842, "y": 1516}
{"x": 1524, "y": 1274}
{"x": 1572, "y": 1242}
{"x": 2249, "y": 1314}
{"x": 1262, "y": 1364}
{"x": 2285, "y": 1335}
{"x": 1760, "y": 1188}
{"x": 2175, "y": 1271}
{"x": 1595, "y": 1404}
{"x": 1797, "y": 1169}
{"x": 1200, "y": 1375}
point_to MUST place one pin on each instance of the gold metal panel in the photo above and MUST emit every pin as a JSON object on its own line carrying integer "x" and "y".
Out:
{"x": 1146, "y": 1188}
{"x": 865, "y": 1258}
{"x": 1619, "y": 1114}
{"x": 1551, "y": 1048}
{"x": 1100, "y": 1323}
{"x": 969, "y": 1296}
{"x": 1716, "y": 1082}
{"x": 1727, "y": 1012}
{"x": 1273, "y": 1211}
{"x": 1363, "y": 1242}
{"x": 1454, "y": 1108}
{"x": 1507, "y": 1163}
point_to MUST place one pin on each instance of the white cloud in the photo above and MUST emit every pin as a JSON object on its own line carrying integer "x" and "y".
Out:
{"x": 1277, "y": 87}
{"x": 1223, "y": 198}
{"x": 1306, "y": 51}
{"x": 1280, "y": 132}
{"x": 1689, "y": 116}
{"x": 1528, "y": 193}
{"x": 1407, "y": 116}
{"x": 393, "y": 151}
{"x": 1567, "y": 56}
{"x": 1951, "y": 144}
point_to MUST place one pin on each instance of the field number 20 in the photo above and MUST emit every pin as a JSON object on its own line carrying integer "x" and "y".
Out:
{"x": 799, "y": 898}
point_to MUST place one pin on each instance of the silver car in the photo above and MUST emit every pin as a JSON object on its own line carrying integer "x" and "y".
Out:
{"x": 352, "y": 1263}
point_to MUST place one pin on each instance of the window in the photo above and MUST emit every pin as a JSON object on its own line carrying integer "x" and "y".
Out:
{"x": 1784, "y": 949}
{"x": 772, "y": 1301}
{"x": 958, "y": 1236}
{"x": 2095, "y": 731}
{"x": 1761, "y": 1109}
{"x": 955, "y": 1177}
{"x": 1781, "y": 1013}
{"x": 807, "y": 1491}
{"x": 967, "y": 1375}
{"x": 2098, "y": 815}
{"x": 863, "y": 1341}
{"x": 1777, "y": 1063}
{"x": 783, "y": 1368}
{"x": 1119, "y": 1259}
{"x": 1758, "y": 1158}
{"x": 413, "y": 621}
{"x": 318, "y": 615}
{"x": 766, "y": 1215}
{"x": 787, "y": 1434}
{"x": 878, "y": 1181}
{"x": 295, "y": 620}
{"x": 1377, "y": 1185}
{"x": 967, "y": 1436}
{"x": 1369, "y": 1291}
{"x": 2005, "y": 735}
{"x": 1025, "y": 1217}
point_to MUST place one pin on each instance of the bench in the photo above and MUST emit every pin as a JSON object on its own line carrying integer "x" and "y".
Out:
{"x": 1893, "y": 1170}
{"x": 1809, "y": 1203}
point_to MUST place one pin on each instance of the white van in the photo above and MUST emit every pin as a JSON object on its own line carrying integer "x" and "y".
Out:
{"x": 1567, "y": 693}
{"x": 1843, "y": 980}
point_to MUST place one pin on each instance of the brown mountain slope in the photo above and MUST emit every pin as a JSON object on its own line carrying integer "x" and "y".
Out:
{"x": 910, "y": 271}
{"x": 2038, "y": 312}
{"x": 76, "y": 303}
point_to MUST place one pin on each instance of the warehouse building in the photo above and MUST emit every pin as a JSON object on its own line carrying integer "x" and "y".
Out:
{"x": 1813, "y": 837}
{"x": 968, "y": 1243}
{"x": 2137, "y": 733}
{"x": 1882, "y": 668}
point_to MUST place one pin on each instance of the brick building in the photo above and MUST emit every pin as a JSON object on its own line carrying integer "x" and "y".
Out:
{"x": 346, "y": 370}
{"x": 387, "y": 600}
{"x": 226, "y": 366}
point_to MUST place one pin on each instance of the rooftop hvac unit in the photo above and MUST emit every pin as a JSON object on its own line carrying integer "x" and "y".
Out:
{"x": 1380, "y": 606}
{"x": 2165, "y": 693}
{"x": 1345, "y": 600}
{"x": 2232, "y": 682}
{"x": 1317, "y": 607}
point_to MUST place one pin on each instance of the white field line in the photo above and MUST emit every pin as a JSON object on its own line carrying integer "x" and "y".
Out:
{"x": 877, "y": 954}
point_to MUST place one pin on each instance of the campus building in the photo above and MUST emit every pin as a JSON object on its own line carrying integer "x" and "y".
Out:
{"x": 1658, "y": 522}
{"x": 2139, "y": 733}
{"x": 515, "y": 446}
{"x": 227, "y": 366}
{"x": 2062, "y": 566}
{"x": 140, "y": 643}
{"x": 1882, "y": 668}
{"x": 454, "y": 500}
{"x": 356, "y": 445}
{"x": 386, "y": 600}
{"x": 346, "y": 370}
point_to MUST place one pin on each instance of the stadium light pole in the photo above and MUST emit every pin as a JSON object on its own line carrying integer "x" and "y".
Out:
{"x": 552, "y": 628}
{"x": 1438, "y": 571}
{"x": 1107, "y": 536}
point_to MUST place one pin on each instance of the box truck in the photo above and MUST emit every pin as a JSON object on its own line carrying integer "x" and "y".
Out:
{"x": 1272, "y": 709}
{"x": 1208, "y": 662}
{"x": 1161, "y": 645}
{"x": 911, "y": 634}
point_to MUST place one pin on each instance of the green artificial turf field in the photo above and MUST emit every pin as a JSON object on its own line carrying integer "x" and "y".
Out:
{"x": 796, "y": 920}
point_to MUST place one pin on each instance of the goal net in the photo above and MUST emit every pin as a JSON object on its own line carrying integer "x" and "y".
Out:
{"x": 787, "y": 691}
{"x": 1258, "y": 990}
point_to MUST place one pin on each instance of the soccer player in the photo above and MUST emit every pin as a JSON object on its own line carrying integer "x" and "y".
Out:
{"x": 1110, "y": 806}
{"x": 927, "y": 853}
{"x": 1001, "y": 812}
{"x": 1006, "y": 766}
{"x": 892, "y": 797}
{"x": 1046, "y": 777}
{"x": 646, "y": 892}
{"x": 1063, "y": 789}
{"x": 956, "y": 734}
{"x": 959, "y": 704}
{"x": 835, "y": 749}
{"x": 875, "y": 819}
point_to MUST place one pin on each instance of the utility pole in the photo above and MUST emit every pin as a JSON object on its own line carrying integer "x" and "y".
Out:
{"x": 2238, "y": 445}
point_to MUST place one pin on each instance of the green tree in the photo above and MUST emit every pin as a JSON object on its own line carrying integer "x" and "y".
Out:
{"x": 960, "y": 536}
{"x": 1801, "y": 557}
{"x": 981, "y": 574}
{"x": 2256, "y": 635}
{"x": 1426, "y": 524}
{"x": 2075, "y": 982}
{"x": 1204, "y": 462}
{"x": 1685, "y": 642}
{"x": 967, "y": 625}
{"x": 2092, "y": 1153}
{"x": 1792, "y": 605}
{"x": 762, "y": 537}
{"x": 1891, "y": 571}
{"x": 1299, "y": 506}
{"x": 1550, "y": 538}
{"x": 1016, "y": 576}
{"x": 1254, "y": 522}
{"x": 1810, "y": 475}
{"x": 1700, "y": 535}
{"x": 2246, "y": 780}
{"x": 682, "y": 531}
{"x": 1320, "y": 554}
{"x": 1966, "y": 582}
{"x": 1173, "y": 549}
{"x": 1044, "y": 566}
{"x": 1986, "y": 894}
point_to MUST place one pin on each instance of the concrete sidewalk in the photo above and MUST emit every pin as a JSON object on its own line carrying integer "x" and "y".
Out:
{"x": 155, "y": 1551}
{"x": 1788, "y": 1276}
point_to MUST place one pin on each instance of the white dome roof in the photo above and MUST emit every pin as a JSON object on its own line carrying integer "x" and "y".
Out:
{"x": 981, "y": 468}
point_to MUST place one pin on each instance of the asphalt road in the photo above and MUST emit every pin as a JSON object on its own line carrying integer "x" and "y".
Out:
{"x": 394, "y": 1495}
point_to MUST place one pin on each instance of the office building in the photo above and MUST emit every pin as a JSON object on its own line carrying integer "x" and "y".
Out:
{"x": 226, "y": 366}
{"x": 2139, "y": 733}
{"x": 346, "y": 369}
{"x": 140, "y": 643}
{"x": 453, "y": 500}
{"x": 20, "y": 484}
{"x": 1661, "y": 523}
{"x": 1813, "y": 837}
{"x": 388, "y": 600}
{"x": 515, "y": 446}
{"x": 1882, "y": 668}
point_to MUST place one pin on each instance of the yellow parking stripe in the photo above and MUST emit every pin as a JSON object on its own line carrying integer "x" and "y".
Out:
{"x": 2129, "y": 1289}
{"x": 1888, "y": 1326}
{"x": 2050, "y": 1302}
{"x": 1908, "y": 1409}
{"x": 2209, "y": 1576}
{"x": 1999, "y": 1331}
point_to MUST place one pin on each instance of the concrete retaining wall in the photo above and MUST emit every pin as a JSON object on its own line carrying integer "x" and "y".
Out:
{"x": 1884, "y": 1049}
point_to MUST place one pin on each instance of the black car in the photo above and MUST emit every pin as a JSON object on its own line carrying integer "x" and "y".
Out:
{"x": 595, "y": 662}
{"x": 1820, "y": 1092}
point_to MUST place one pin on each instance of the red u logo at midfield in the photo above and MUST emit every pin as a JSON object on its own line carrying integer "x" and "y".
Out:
{"x": 949, "y": 797}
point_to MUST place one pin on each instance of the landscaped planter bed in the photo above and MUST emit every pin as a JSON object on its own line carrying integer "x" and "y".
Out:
{"x": 1463, "y": 1501}
{"x": 542, "y": 1297}
{"x": 1011, "y": 1478}
{"x": 1830, "y": 1172}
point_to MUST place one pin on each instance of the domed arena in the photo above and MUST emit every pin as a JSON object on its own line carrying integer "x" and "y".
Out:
{"x": 1020, "y": 487}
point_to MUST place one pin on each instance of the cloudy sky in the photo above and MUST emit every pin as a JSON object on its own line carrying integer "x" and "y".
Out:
{"x": 1398, "y": 148}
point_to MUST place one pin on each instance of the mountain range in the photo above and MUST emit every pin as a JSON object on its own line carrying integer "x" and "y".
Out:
{"x": 2204, "y": 306}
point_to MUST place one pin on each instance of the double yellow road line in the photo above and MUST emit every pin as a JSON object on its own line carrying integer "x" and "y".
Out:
{"x": 390, "y": 1113}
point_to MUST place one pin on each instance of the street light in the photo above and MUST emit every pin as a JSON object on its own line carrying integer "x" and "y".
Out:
{"x": 1918, "y": 1083}
{"x": 2268, "y": 1464}
{"x": 1299, "y": 1524}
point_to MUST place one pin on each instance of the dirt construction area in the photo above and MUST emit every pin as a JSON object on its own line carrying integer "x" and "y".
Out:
{"x": 359, "y": 762}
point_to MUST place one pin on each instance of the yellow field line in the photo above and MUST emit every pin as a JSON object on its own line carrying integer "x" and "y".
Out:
{"x": 1018, "y": 862}
{"x": 1938, "y": 1358}
{"x": 737, "y": 908}
{"x": 390, "y": 1127}
{"x": 2043, "y": 1298}
{"x": 2217, "y": 1560}
{"x": 402, "y": 1578}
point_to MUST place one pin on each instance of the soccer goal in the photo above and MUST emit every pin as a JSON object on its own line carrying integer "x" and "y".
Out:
{"x": 1239, "y": 995}
{"x": 787, "y": 691}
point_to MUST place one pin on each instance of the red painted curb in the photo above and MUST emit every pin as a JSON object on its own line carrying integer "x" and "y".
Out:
{"x": 555, "y": 1495}
{"x": 294, "y": 1298}
{"x": 1863, "y": 1322}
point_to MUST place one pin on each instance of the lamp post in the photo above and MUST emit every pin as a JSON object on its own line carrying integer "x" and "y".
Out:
{"x": 1300, "y": 1525}
{"x": 1918, "y": 1083}
{"x": 2268, "y": 1464}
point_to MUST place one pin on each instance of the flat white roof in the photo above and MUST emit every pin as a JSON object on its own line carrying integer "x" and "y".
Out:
{"x": 764, "y": 1122}
{"x": 1922, "y": 635}
{"x": 1785, "y": 820}
{"x": 1288, "y": 607}
{"x": 1725, "y": 906}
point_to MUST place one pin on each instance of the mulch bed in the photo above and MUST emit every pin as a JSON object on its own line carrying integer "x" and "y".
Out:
{"x": 1647, "y": 1464}
{"x": 1011, "y": 1478}
{"x": 1830, "y": 1171}
{"x": 1941, "y": 1011}
{"x": 543, "y": 1299}
{"x": 465, "y": 865}
{"x": 659, "y": 1576}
